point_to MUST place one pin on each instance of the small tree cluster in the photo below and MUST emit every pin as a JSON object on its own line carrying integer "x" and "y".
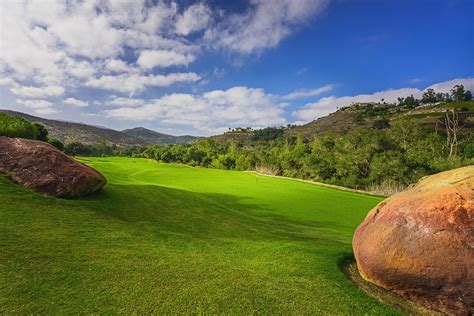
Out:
{"x": 12, "y": 126}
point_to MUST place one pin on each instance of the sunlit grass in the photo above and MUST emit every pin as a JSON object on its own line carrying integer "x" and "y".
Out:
{"x": 168, "y": 238}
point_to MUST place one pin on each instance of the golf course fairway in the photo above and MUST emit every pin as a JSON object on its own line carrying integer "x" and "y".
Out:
{"x": 163, "y": 238}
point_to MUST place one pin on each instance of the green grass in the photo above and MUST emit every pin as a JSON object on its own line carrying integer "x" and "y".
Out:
{"x": 174, "y": 239}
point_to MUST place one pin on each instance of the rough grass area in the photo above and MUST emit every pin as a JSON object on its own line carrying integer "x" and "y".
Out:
{"x": 174, "y": 239}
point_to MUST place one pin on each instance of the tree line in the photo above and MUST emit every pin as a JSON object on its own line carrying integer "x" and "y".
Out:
{"x": 367, "y": 157}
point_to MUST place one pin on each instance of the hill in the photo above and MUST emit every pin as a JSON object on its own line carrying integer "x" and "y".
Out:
{"x": 153, "y": 137}
{"x": 69, "y": 132}
{"x": 169, "y": 239}
{"x": 429, "y": 117}
{"x": 337, "y": 123}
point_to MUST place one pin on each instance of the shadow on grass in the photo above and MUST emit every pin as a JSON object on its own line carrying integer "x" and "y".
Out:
{"x": 204, "y": 215}
{"x": 347, "y": 264}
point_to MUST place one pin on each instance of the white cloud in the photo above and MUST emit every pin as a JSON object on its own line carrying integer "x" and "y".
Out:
{"x": 37, "y": 92}
{"x": 66, "y": 43}
{"x": 136, "y": 83}
{"x": 210, "y": 112}
{"x": 164, "y": 58}
{"x": 127, "y": 102}
{"x": 415, "y": 80}
{"x": 194, "y": 19}
{"x": 327, "y": 105}
{"x": 7, "y": 82}
{"x": 446, "y": 86}
{"x": 265, "y": 25}
{"x": 83, "y": 44}
{"x": 81, "y": 69}
{"x": 88, "y": 35}
{"x": 39, "y": 106}
{"x": 76, "y": 102}
{"x": 117, "y": 65}
{"x": 300, "y": 94}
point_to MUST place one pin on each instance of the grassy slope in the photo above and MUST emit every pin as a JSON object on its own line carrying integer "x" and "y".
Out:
{"x": 164, "y": 238}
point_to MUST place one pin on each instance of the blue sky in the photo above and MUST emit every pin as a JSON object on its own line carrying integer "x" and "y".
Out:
{"x": 201, "y": 67}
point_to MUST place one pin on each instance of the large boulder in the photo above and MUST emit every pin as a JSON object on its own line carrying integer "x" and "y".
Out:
{"x": 44, "y": 169}
{"x": 420, "y": 243}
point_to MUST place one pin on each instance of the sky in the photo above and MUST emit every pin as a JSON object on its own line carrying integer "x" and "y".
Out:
{"x": 201, "y": 67}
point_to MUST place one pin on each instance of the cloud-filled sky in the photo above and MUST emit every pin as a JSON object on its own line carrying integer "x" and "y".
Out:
{"x": 200, "y": 67}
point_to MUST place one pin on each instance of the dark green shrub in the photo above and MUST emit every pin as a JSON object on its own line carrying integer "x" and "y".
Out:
{"x": 42, "y": 132}
{"x": 11, "y": 126}
{"x": 56, "y": 143}
{"x": 267, "y": 134}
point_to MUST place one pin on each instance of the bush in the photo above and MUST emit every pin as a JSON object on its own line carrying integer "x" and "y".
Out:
{"x": 42, "y": 132}
{"x": 267, "y": 134}
{"x": 56, "y": 143}
{"x": 381, "y": 124}
{"x": 11, "y": 126}
{"x": 468, "y": 150}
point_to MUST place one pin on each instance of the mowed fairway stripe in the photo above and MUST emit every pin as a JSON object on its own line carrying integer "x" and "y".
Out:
{"x": 166, "y": 238}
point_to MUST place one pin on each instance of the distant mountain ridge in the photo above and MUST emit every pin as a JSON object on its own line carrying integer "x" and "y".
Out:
{"x": 69, "y": 132}
{"x": 154, "y": 137}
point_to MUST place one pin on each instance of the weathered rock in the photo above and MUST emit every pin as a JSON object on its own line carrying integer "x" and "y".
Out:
{"x": 420, "y": 243}
{"x": 44, "y": 169}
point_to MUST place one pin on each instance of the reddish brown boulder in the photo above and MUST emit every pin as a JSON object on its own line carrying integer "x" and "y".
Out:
{"x": 420, "y": 243}
{"x": 44, "y": 169}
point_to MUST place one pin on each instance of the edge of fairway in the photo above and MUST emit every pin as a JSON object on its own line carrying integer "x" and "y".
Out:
{"x": 333, "y": 186}
{"x": 318, "y": 183}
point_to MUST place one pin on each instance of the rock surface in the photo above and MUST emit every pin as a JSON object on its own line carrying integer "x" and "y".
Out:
{"x": 44, "y": 169}
{"x": 420, "y": 243}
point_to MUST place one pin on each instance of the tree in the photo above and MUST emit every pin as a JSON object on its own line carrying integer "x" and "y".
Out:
{"x": 56, "y": 143}
{"x": 467, "y": 96}
{"x": 429, "y": 96}
{"x": 408, "y": 102}
{"x": 453, "y": 126}
{"x": 42, "y": 132}
{"x": 267, "y": 134}
{"x": 77, "y": 149}
{"x": 457, "y": 93}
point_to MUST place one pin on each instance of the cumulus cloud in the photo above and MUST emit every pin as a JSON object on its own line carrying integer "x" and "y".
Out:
{"x": 126, "y": 102}
{"x": 117, "y": 65}
{"x": 327, "y": 105}
{"x": 136, "y": 83}
{"x": 446, "y": 86}
{"x": 164, "y": 58}
{"x": 194, "y": 19}
{"x": 265, "y": 25}
{"x": 76, "y": 102}
{"x": 58, "y": 43}
{"x": 39, "y": 106}
{"x": 37, "y": 92}
{"x": 210, "y": 112}
{"x": 53, "y": 46}
{"x": 300, "y": 94}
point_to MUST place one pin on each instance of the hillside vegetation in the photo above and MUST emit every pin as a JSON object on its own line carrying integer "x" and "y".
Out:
{"x": 385, "y": 155}
{"x": 169, "y": 239}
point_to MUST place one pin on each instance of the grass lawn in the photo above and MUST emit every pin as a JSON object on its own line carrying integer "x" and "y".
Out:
{"x": 174, "y": 239}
